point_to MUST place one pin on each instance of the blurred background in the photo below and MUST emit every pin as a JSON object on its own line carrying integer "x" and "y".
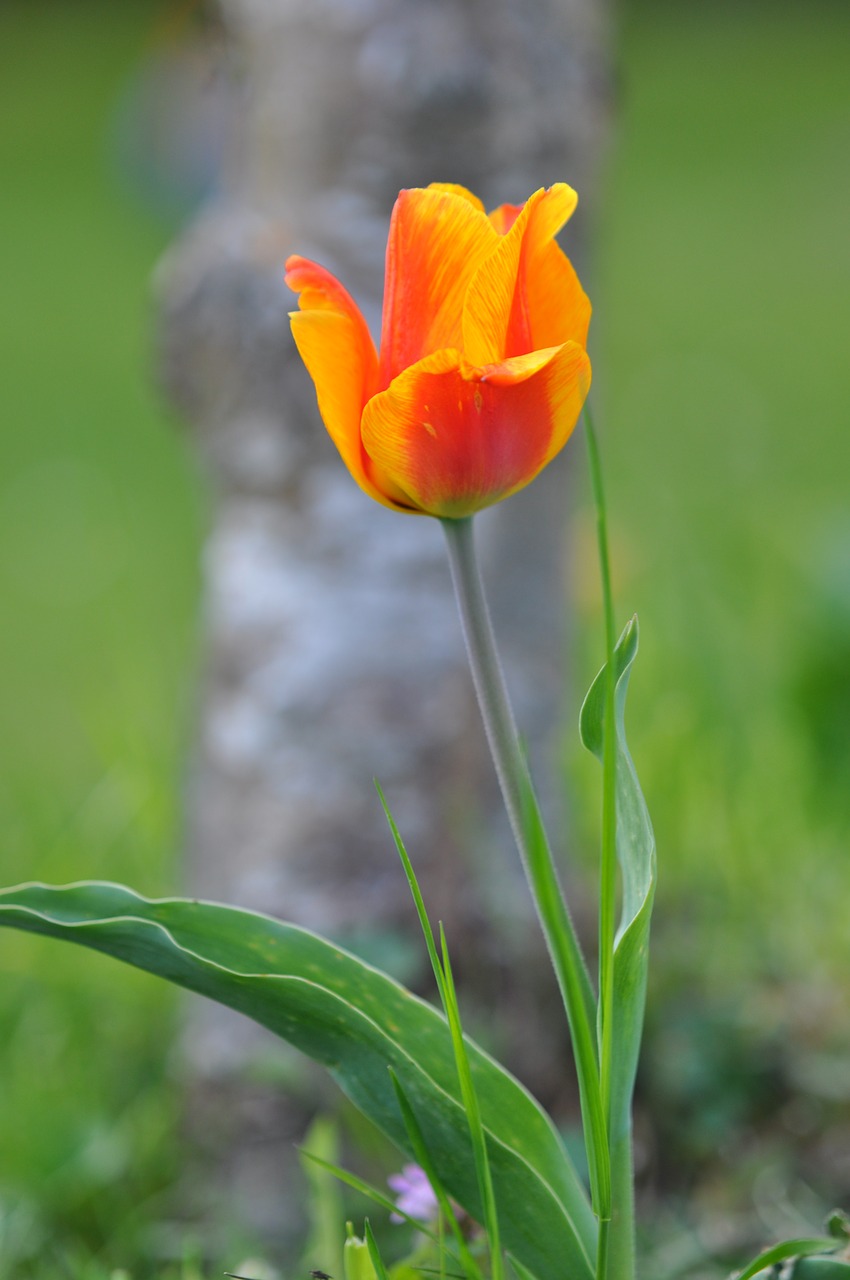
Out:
{"x": 719, "y": 266}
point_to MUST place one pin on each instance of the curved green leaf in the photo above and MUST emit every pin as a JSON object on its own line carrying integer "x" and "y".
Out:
{"x": 790, "y": 1249}
{"x": 636, "y": 855}
{"x": 358, "y": 1023}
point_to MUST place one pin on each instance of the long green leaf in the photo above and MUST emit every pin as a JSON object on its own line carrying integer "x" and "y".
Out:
{"x": 636, "y": 856}
{"x": 357, "y": 1022}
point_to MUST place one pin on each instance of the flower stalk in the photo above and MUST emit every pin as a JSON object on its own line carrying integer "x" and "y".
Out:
{"x": 534, "y": 850}
{"x": 615, "y": 1256}
{"x": 478, "y": 381}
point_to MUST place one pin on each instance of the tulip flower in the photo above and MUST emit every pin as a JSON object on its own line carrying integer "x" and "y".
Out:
{"x": 482, "y": 370}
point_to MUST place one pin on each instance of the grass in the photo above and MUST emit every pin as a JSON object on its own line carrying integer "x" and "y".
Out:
{"x": 723, "y": 263}
{"x": 721, "y": 384}
{"x": 99, "y": 533}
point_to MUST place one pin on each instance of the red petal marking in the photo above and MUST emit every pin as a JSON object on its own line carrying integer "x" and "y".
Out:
{"x": 457, "y": 438}
{"x": 505, "y": 216}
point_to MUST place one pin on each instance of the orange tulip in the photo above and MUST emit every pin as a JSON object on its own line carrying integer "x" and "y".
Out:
{"x": 483, "y": 369}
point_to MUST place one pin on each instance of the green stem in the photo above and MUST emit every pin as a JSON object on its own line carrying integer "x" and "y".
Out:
{"x": 535, "y": 854}
{"x": 602, "y": 1241}
{"x": 608, "y": 866}
{"x": 616, "y": 1257}
{"x": 621, "y": 1252}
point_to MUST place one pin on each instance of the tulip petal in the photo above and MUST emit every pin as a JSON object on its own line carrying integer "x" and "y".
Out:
{"x": 526, "y": 296}
{"x": 318, "y": 290}
{"x": 505, "y": 216}
{"x": 438, "y": 239}
{"x": 457, "y": 438}
{"x": 334, "y": 342}
{"x": 455, "y": 189}
{"x": 557, "y": 307}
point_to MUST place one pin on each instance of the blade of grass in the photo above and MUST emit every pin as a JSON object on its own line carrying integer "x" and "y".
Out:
{"x": 432, "y": 1271}
{"x": 442, "y": 973}
{"x": 473, "y": 1115}
{"x": 522, "y": 1273}
{"x": 372, "y": 1193}
{"x": 374, "y": 1251}
{"x": 448, "y": 997}
{"x": 416, "y": 894}
{"x": 357, "y": 1259}
{"x": 423, "y": 1156}
{"x": 441, "y": 1229}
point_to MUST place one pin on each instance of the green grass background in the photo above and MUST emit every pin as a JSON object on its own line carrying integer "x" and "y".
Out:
{"x": 99, "y": 538}
{"x": 722, "y": 379}
{"x": 722, "y": 325}
{"x": 721, "y": 282}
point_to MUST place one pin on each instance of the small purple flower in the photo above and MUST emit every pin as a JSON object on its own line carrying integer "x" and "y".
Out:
{"x": 414, "y": 1194}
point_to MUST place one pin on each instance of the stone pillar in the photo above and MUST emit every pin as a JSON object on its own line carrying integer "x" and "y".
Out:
{"x": 333, "y": 651}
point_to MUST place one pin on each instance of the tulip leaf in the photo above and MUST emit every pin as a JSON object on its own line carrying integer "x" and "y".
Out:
{"x": 636, "y": 856}
{"x": 359, "y": 1023}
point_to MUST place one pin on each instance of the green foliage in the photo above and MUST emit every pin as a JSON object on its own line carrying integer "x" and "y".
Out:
{"x": 635, "y": 847}
{"x": 724, "y": 212}
{"x": 360, "y": 1257}
{"x": 422, "y": 1153}
{"x": 99, "y": 534}
{"x": 797, "y": 1249}
{"x": 377, "y": 1261}
{"x": 442, "y": 970}
{"x": 358, "y": 1023}
{"x": 366, "y": 1189}
{"x": 636, "y": 856}
{"x": 321, "y": 1149}
{"x": 807, "y": 1259}
{"x": 726, "y": 470}
{"x": 821, "y": 1269}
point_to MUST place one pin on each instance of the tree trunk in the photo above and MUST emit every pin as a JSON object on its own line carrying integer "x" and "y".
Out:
{"x": 333, "y": 650}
